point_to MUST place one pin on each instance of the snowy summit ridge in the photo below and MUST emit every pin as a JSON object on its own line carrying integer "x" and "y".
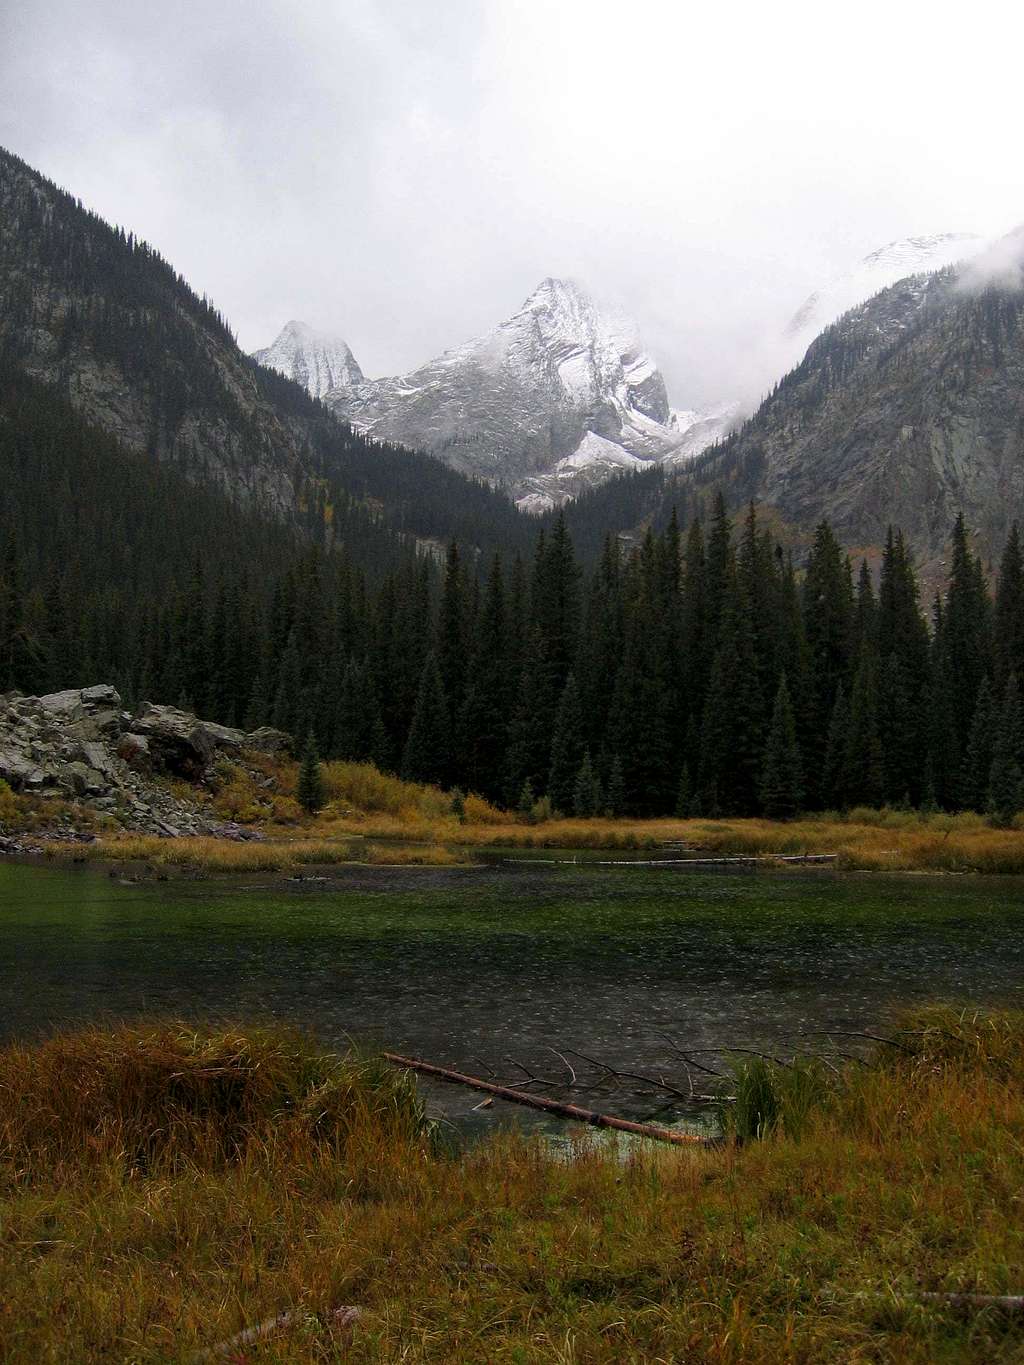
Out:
{"x": 558, "y": 397}
{"x": 313, "y": 359}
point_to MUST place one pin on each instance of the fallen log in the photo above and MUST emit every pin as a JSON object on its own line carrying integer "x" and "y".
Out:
{"x": 565, "y": 1111}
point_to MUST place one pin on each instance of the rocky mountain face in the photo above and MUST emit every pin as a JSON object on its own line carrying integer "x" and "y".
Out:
{"x": 313, "y": 359}
{"x": 877, "y": 271}
{"x": 907, "y": 410}
{"x": 556, "y": 399}
{"x": 81, "y": 746}
{"x": 105, "y": 323}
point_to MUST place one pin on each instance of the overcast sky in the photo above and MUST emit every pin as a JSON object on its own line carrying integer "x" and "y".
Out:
{"x": 403, "y": 172}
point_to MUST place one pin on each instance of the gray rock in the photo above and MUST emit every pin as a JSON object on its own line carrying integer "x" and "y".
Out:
{"x": 15, "y": 767}
{"x": 83, "y": 780}
{"x": 178, "y": 742}
{"x": 266, "y": 740}
{"x": 67, "y": 705}
{"x": 134, "y": 749}
{"x": 101, "y": 695}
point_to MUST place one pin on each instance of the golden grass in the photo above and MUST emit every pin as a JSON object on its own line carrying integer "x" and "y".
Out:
{"x": 161, "y": 1190}
{"x": 413, "y": 855}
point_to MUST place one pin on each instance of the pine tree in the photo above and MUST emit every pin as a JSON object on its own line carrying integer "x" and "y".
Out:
{"x": 1006, "y": 795}
{"x": 616, "y": 792}
{"x": 427, "y": 753}
{"x": 834, "y": 786}
{"x": 310, "y": 788}
{"x": 974, "y": 785}
{"x": 864, "y": 770}
{"x": 567, "y": 747}
{"x": 782, "y": 780}
{"x": 1008, "y": 622}
{"x": 684, "y": 794}
{"x": 586, "y": 800}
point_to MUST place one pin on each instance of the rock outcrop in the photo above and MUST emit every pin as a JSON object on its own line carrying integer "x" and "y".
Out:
{"x": 82, "y": 746}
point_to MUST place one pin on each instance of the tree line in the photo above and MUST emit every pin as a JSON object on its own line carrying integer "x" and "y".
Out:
{"x": 700, "y": 672}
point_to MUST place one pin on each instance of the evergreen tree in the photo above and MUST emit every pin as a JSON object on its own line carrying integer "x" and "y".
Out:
{"x": 427, "y": 753}
{"x": 616, "y": 791}
{"x": 782, "y": 780}
{"x": 974, "y": 786}
{"x": 310, "y": 788}
{"x": 1005, "y": 790}
{"x": 684, "y": 795}
{"x": 1008, "y": 622}
{"x": 587, "y": 797}
{"x": 835, "y": 786}
{"x": 864, "y": 768}
{"x": 567, "y": 749}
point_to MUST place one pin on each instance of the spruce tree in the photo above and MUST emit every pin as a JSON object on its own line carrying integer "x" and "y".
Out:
{"x": 1006, "y": 795}
{"x": 1008, "y": 617}
{"x": 864, "y": 767}
{"x": 834, "y": 787}
{"x": 427, "y": 753}
{"x": 567, "y": 747}
{"x": 616, "y": 792}
{"x": 586, "y": 800}
{"x": 974, "y": 784}
{"x": 310, "y": 787}
{"x": 684, "y": 794}
{"x": 782, "y": 780}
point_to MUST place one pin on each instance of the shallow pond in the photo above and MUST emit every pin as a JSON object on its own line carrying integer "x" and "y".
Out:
{"x": 472, "y": 966}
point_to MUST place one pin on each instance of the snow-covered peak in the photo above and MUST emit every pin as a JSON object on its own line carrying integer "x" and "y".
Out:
{"x": 316, "y": 360}
{"x": 877, "y": 271}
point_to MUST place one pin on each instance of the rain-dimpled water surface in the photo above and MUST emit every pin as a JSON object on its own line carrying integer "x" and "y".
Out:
{"x": 470, "y": 967}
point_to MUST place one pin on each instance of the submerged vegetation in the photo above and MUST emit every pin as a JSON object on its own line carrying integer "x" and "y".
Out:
{"x": 176, "y": 1187}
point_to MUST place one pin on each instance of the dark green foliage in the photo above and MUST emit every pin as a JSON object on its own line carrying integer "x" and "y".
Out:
{"x": 1005, "y": 795}
{"x": 587, "y": 797}
{"x": 616, "y": 793}
{"x": 567, "y": 748}
{"x": 782, "y": 779}
{"x": 310, "y": 787}
{"x": 428, "y": 749}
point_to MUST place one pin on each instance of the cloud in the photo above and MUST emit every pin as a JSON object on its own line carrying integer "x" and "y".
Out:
{"x": 404, "y": 174}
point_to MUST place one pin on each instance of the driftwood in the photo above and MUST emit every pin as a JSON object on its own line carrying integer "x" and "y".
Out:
{"x": 565, "y": 1111}
{"x": 339, "y": 1317}
{"x": 1010, "y": 1303}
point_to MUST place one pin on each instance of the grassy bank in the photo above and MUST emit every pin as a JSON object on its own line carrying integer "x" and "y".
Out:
{"x": 371, "y": 816}
{"x": 875, "y": 841}
{"x": 161, "y": 1190}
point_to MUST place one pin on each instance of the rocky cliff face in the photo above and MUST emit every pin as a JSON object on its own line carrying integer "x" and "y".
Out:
{"x": 81, "y": 746}
{"x": 907, "y": 410}
{"x": 558, "y": 398}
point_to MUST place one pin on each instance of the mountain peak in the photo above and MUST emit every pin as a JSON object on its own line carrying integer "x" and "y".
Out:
{"x": 316, "y": 360}
{"x": 877, "y": 271}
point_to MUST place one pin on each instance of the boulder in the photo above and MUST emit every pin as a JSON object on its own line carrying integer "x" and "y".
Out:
{"x": 16, "y": 767}
{"x": 266, "y": 740}
{"x": 134, "y": 750}
{"x": 102, "y": 695}
{"x": 225, "y": 737}
{"x": 178, "y": 742}
{"x": 82, "y": 780}
{"x": 64, "y": 706}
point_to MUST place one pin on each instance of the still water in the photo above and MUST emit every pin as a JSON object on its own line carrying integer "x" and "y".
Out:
{"x": 471, "y": 967}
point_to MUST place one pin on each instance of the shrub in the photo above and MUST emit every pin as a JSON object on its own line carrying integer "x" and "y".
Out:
{"x": 164, "y": 1095}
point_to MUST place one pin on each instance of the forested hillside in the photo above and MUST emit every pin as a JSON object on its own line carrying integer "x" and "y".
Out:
{"x": 105, "y": 321}
{"x": 698, "y": 673}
